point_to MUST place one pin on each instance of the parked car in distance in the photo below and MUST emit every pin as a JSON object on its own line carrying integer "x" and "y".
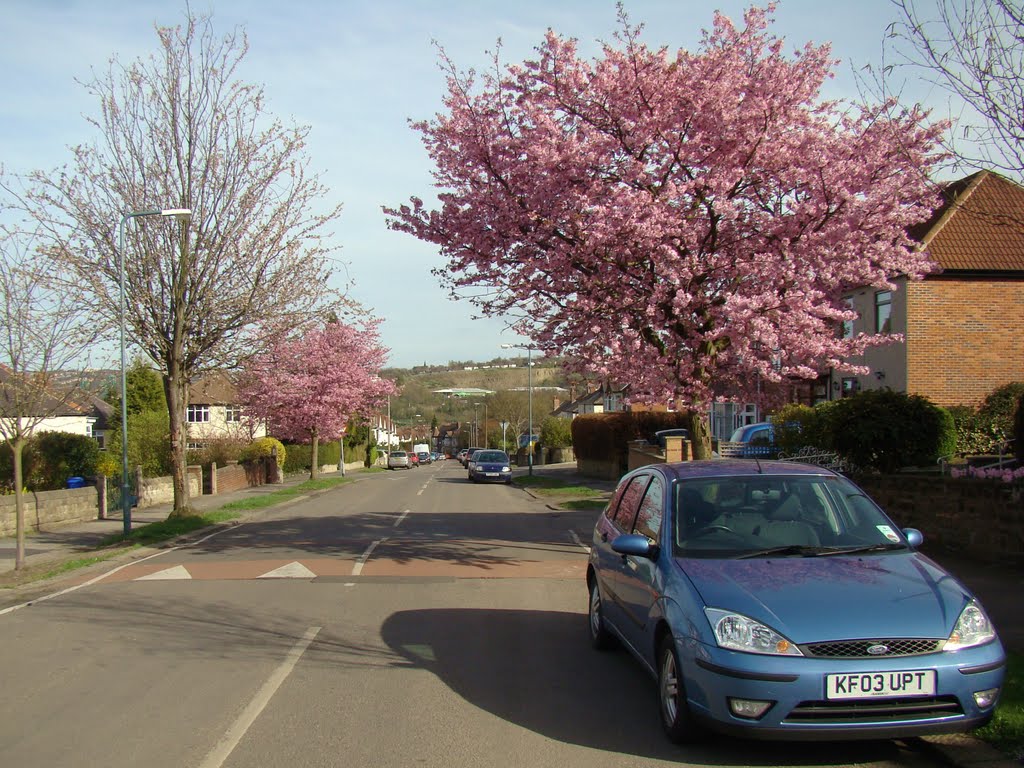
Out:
{"x": 398, "y": 460}
{"x": 488, "y": 466}
{"x": 414, "y": 460}
{"x": 750, "y": 441}
{"x": 461, "y": 456}
{"x": 423, "y": 457}
{"x": 469, "y": 456}
{"x": 776, "y": 600}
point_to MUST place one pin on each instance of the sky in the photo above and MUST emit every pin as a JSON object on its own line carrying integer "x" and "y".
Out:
{"x": 357, "y": 71}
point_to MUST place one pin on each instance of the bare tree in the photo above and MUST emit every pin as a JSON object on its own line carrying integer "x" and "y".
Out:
{"x": 47, "y": 333}
{"x": 974, "y": 51}
{"x": 179, "y": 131}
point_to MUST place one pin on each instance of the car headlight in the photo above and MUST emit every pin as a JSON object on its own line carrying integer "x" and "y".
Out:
{"x": 972, "y": 628}
{"x": 741, "y": 633}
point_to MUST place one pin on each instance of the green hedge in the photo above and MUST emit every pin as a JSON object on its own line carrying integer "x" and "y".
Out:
{"x": 605, "y": 436}
{"x": 49, "y": 459}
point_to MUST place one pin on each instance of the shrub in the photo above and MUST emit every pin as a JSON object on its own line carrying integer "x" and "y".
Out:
{"x": 149, "y": 443}
{"x": 974, "y": 433}
{"x": 264, "y": 448}
{"x": 885, "y": 430}
{"x": 60, "y": 455}
{"x": 300, "y": 458}
{"x": 556, "y": 432}
{"x": 794, "y": 424}
{"x": 1018, "y": 430}
{"x": 605, "y": 436}
{"x": 220, "y": 451}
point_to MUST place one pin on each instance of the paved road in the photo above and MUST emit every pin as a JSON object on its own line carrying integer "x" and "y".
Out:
{"x": 408, "y": 619}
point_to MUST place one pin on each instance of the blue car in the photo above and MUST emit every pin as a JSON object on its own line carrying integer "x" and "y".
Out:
{"x": 487, "y": 466}
{"x": 775, "y": 600}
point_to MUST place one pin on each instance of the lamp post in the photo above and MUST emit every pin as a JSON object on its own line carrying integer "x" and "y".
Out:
{"x": 529, "y": 387}
{"x": 183, "y": 214}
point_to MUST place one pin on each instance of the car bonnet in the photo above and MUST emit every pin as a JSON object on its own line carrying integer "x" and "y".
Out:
{"x": 813, "y": 599}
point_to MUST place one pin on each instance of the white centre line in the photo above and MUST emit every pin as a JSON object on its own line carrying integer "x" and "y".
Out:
{"x": 401, "y": 517}
{"x": 237, "y": 731}
{"x": 358, "y": 567}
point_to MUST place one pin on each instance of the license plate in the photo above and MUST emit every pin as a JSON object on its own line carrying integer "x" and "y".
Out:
{"x": 870, "y": 685}
{"x": 494, "y": 474}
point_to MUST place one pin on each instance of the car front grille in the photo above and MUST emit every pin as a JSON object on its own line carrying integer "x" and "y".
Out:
{"x": 859, "y": 649}
{"x": 867, "y": 711}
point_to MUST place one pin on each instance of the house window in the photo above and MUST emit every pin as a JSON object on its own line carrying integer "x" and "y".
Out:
{"x": 851, "y": 386}
{"x": 101, "y": 440}
{"x": 883, "y": 312}
{"x": 232, "y": 414}
{"x": 197, "y": 414}
{"x": 846, "y": 328}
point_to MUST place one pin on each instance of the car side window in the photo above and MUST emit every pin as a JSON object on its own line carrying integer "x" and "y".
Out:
{"x": 648, "y": 519}
{"x": 629, "y": 503}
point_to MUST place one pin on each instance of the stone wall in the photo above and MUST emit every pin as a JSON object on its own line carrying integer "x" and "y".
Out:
{"x": 160, "y": 490}
{"x": 49, "y": 509}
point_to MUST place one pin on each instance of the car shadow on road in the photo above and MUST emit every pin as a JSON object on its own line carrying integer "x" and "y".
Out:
{"x": 535, "y": 669}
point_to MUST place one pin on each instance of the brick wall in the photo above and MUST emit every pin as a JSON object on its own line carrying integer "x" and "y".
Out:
{"x": 965, "y": 338}
{"x": 235, "y": 476}
{"x": 977, "y": 518}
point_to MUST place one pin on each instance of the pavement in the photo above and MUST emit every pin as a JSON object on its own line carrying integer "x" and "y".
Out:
{"x": 999, "y": 586}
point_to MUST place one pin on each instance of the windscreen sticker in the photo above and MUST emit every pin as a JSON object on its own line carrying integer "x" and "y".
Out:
{"x": 889, "y": 533}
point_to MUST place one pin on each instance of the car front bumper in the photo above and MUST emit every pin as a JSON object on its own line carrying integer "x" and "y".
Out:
{"x": 800, "y": 709}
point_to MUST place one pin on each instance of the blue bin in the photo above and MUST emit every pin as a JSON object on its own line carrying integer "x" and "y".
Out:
{"x": 76, "y": 482}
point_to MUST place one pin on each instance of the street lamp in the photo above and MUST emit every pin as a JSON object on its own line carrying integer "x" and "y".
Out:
{"x": 182, "y": 214}
{"x": 529, "y": 386}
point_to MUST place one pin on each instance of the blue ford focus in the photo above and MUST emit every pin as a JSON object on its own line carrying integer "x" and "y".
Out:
{"x": 775, "y": 600}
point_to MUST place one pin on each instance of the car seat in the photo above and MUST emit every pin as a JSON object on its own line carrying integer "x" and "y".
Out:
{"x": 786, "y": 526}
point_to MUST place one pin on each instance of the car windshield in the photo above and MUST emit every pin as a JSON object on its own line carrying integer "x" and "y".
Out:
{"x": 398, "y": 454}
{"x": 782, "y": 515}
{"x": 497, "y": 457}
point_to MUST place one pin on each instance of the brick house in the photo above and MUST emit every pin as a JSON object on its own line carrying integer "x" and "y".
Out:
{"x": 963, "y": 326}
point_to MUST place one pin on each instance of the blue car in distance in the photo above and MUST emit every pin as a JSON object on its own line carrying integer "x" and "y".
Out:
{"x": 775, "y": 600}
{"x": 487, "y": 466}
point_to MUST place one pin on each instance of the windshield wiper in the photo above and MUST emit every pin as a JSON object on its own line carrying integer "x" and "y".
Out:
{"x": 790, "y": 550}
{"x": 865, "y": 548}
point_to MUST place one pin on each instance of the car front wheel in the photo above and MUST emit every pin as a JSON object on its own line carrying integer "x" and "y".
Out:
{"x": 675, "y": 715}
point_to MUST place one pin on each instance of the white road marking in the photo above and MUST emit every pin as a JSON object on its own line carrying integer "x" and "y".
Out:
{"x": 111, "y": 572}
{"x": 401, "y": 517}
{"x": 294, "y": 570}
{"x": 579, "y": 543}
{"x": 358, "y": 567}
{"x": 220, "y": 753}
{"x": 177, "y": 572}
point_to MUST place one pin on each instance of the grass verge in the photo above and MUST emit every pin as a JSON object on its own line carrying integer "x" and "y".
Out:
{"x": 550, "y": 486}
{"x": 1006, "y": 731}
{"x": 584, "y": 505}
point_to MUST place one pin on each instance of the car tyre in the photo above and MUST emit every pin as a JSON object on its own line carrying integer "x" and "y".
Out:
{"x": 600, "y": 638}
{"x": 676, "y": 718}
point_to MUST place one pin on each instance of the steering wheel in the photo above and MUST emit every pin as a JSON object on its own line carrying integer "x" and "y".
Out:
{"x": 709, "y": 528}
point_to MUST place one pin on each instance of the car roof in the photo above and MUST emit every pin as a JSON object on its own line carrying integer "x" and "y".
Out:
{"x": 707, "y": 468}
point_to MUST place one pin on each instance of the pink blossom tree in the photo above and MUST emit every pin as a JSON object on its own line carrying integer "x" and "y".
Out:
{"x": 308, "y": 387}
{"x": 685, "y": 223}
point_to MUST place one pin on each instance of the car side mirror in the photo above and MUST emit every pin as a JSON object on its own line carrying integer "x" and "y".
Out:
{"x": 636, "y": 545}
{"x": 914, "y": 537}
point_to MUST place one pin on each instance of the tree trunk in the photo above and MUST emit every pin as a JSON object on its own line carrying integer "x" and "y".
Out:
{"x": 700, "y": 433}
{"x": 314, "y": 467}
{"x": 17, "y": 447}
{"x": 176, "y": 388}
